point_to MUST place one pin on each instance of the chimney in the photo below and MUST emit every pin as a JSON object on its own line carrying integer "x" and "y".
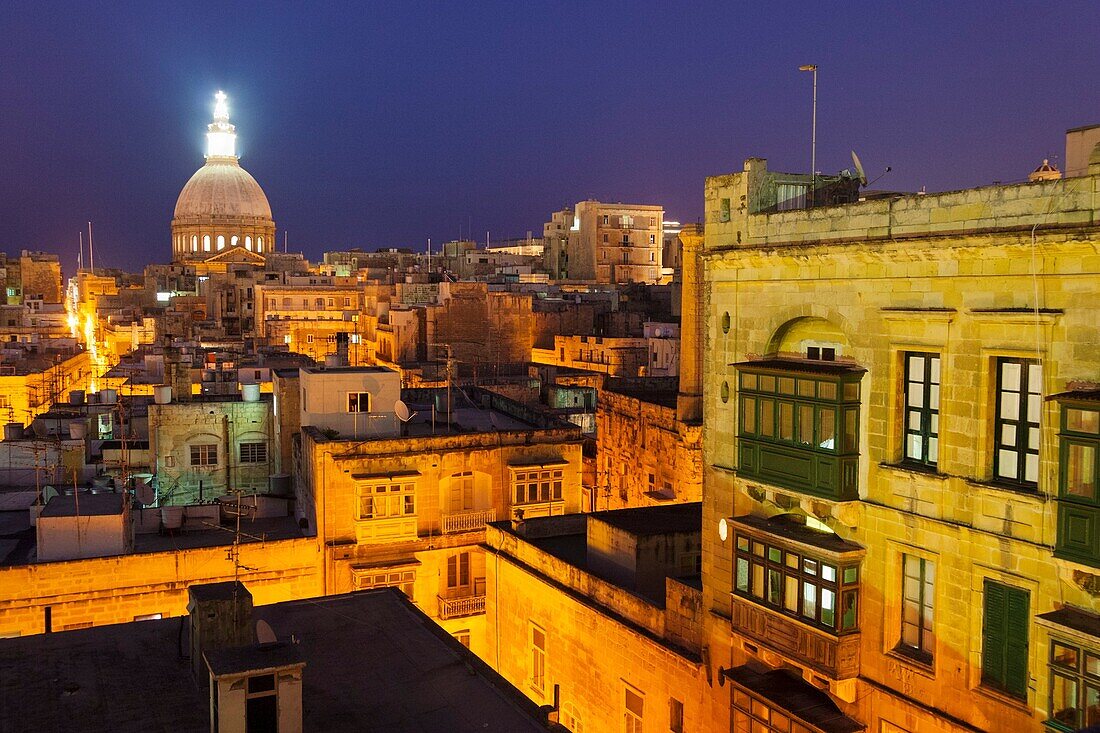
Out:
{"x": 221, "y": 617}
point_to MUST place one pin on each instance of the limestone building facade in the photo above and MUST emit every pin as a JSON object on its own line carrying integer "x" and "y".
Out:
{"x": 900, "y": 453}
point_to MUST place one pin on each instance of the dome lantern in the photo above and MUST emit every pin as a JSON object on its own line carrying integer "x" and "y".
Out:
{"x": 221, "y": 137}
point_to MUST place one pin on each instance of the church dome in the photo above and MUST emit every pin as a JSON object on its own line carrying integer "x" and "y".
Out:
{"x": 222, "y": 188}
{"x": 222, "y": 208}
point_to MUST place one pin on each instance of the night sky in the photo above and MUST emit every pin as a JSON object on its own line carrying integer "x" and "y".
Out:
{"x": 373, "y": 124}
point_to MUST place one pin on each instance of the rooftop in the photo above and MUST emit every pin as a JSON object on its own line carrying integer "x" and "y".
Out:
{"x": 419, "y": 678}
{"x": 88, "y": 505}
{"x": 655, "y": 520}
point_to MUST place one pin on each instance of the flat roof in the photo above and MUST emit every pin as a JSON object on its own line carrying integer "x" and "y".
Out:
{"x": 349, "y": 370}
{"x": 86, "y": 505}
{"x": 418, "y": 678}
{"x": 655, "y": 520}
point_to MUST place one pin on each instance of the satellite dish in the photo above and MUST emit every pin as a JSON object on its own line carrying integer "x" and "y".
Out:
{"x": 402, "y": 411}
{"x": 48, "y": 493}
{"x": 859, "y": 169}
{"x": 264, "y": 633}
{"x": 144, "y": 492}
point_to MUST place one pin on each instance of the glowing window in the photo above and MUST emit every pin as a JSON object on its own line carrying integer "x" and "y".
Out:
{"x": 259, "y": 244}
{"x": 194, "y": 243}
{"x": 206, "y": 243}
{"x": 221, "y": 242}
{"x": 233, "y": 240}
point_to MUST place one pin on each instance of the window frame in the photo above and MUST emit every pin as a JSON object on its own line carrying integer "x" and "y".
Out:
{"x": 1082, "y": 679}
{"x": 537, "y": 485}
{"x": 537, "y": 657}
{"x": 807, "y": 570}
{"x": 200, "y": 454}
{"x": 402, "y": 490}
{"x": 252, "y": 452}
{"x": 1023, "y": 420}
{"x": 923, "y": 650}
{"x": 355, "y": 402}
{"x": 633, "y": 721}
{"x": 927, "y": 415}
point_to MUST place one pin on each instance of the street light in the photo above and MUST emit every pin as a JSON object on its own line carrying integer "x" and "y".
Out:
{"x": 813, "y": 134}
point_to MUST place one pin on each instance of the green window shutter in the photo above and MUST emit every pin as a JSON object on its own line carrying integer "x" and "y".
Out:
{"x": 1005, "y": 638}
{"x": 1016, "y": 650}
{"x": 993, "y": 634}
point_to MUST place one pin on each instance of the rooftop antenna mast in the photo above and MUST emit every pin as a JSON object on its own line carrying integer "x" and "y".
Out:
{"x": 284, "y": 241}
{"x": 80, "y": 255}
{"x": 91, "y": 253}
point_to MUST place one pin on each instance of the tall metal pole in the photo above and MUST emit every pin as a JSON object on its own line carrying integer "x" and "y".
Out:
{"x": 813, "y": 135}
{"x": 813, "y": 146}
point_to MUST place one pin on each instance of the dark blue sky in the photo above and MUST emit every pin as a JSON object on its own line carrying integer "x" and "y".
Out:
{"x": 374, "y": 124}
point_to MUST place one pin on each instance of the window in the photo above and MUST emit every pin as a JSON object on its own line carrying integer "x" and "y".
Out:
{"x": 383, "y": 500}
{"x": 1016, "y": 434}
{"x": 537, "y": 485}
{"x": 800, "y": 429}
{"x": 811, "y": 589}
{"x": 675, "y": 716}
{"x": 358, "y": 401}
{"x": 538, "y": 659}
{"x": 347, "y": 302}
{"x": 462, "y": 637}
{"x": 1074, "y": 686}
{"x": 571, "y": 718}
{"x": 204, "y": 455}
{"x": 1004, "y": 639}
{"x": 756, "y": 715}
{"x": 653, "y": 239}
{"x": 261, "y": 705}
{"x": 404, "y": 580}
{"x": 253, "y": 452}
{"x": 790, "y": 196}
{"x": 633, "y": 708}
{"x": 724, "y": 210}
{"x": 1078, "y": 501}
{"x": 309, "y": 338}
{"x": 917, "y": 597}
{"x": 458, "y": 570}
{"x": 922, "y": 408}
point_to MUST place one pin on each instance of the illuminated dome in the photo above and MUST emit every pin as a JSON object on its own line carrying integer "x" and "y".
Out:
{"x": 222, "y": 207}
{"x": 222, "y": 188}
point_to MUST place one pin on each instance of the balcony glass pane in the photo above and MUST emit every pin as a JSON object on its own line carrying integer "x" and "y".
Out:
{"x": 1010, "y": 376}
{"x": 809, "y": 600}
{"x": 828, "y": 607}
{"x": 786, "y": 421}
{"x": 826, "y": 428}
{"x": 767, "y": 418}
{"x": 806, "y": 424}
{"x": 742, "y": 575}
{"x": 1083, "y": 421}
{"x": 1063, "y": 697}
{"x": 826, "y": 390}
{"x": 790, "y": 594}
{"x": 1080, "y": 470}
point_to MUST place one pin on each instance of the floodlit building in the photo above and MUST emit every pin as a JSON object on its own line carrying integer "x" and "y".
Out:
{"x": 600, "y": 614}
{"x": 399, "y": 495}
{"x": 900, "y": 453}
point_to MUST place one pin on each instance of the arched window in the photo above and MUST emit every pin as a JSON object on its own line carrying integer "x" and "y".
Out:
{"x": 194, "y": 243}
{"x": 206, "y": 243}
{"x": 233, "y": 240}
{"x": 248, "y": 243}
{"x": 221, "y": 242}
{"x": 259, "y": 244}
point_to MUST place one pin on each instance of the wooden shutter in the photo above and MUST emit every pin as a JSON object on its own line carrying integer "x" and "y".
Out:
{"x": 993, "y": 634}
{"x": 1016, "y": 642}
{"x": 1005, "y": 638}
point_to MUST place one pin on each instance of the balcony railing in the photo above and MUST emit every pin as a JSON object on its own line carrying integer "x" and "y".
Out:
{"x": 470, "y": 521}
{"x": 458, "y": 607}
{"x": 836, "y": 657}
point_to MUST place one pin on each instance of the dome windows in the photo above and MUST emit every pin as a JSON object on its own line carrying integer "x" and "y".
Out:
{"x": 259, "y": 244}
{"x": 221, "y": 242}
{"x": 248, "y": 243}
{"x": 206, "y": 243}
{"x": 194, "y": 243}
{"x": 233, "y": 240}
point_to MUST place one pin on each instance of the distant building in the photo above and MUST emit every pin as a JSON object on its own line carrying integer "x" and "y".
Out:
{"x": 605, "y": 243}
